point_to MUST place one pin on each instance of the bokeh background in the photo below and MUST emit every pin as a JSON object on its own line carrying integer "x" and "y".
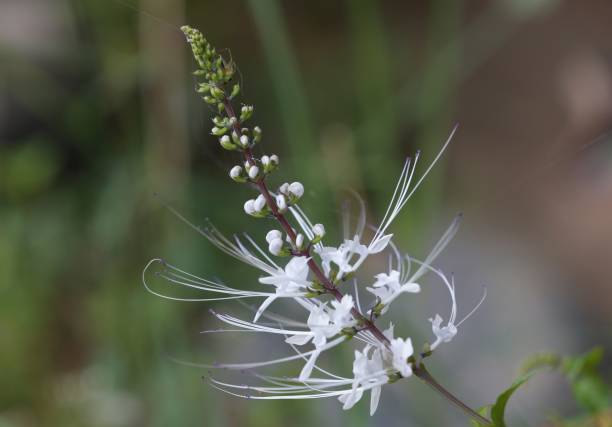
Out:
{"x": 100, "y": 127}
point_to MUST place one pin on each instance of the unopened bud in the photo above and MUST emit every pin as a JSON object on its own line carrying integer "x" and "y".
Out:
{"x": 256, "y": 134}
{"x": 272, "y": 235}
{"x": 253, "y": 172}
{"x": 218, "y": 131}
{"x": 244, "y": 141}
{"x": 276, "y": 247}
{"x": 281, "y": 202}
{"x": 260, "y": 203}
{"x": 296, "y": 189}
{"x": 319, "y": 231}
{"x": 249, "y": 207}
{"x": 226, "y": 143}
{"x": 236, "y": 174}
{"x": 246, "y": 112}
{"x": 299, "y": 241}
{"x": 235, "y": 90}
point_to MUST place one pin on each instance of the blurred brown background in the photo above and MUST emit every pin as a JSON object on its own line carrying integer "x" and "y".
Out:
{"x": 98, "y": 113}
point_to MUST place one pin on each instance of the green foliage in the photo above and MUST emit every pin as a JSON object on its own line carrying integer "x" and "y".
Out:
{"x": 589, "y": 389}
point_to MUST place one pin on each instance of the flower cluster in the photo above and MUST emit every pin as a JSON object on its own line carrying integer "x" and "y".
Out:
{"x": 300, "y": 267}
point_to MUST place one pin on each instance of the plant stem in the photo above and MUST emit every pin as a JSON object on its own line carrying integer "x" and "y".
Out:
{"x": 426, "y": 377}
{"x": 418, "y": 369}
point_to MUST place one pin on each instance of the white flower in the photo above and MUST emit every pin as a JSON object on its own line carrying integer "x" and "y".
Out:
{"x": 323, "y": 323}
{"x": 446, "y": 333}
{"x": 328, "y": 324}
{"x": 288, "y": 281}
{"x": 253, "y": 172}
{"x": 369, "y": 374}
{"x": 297, "y": 189}
{"x": 442, "y": 333}
{"x": 341, "y": 316}
{"x": 343, "y": 255}
{"x": 401, "y": 350}
{"x": 388, "y": 287}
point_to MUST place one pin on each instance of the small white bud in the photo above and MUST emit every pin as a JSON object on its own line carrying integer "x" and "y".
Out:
{"x": 235, "y": 172}
{"x": 244, "y": 141}
{"x": 272, "y": 235}
{"x": 249, "y": 206}
{"x": 281, "y": 202}
{"x": 233, "y": 121}
{"x": 253, "y": 172}
{"x": 260, "y": 202}
{"x": 275, "y": 246}
{"x": 283, "y": 188}
{"x": 265, "y": 160}
{"x": 225, "y": 139}
{"x": 274, "y": 159}
{"x": 299, "y": 241}
{"x": 297, "y": 189}
{"x": 215, "y": 130}
{"x": 318, "y": 230}
{"x": 247, "y": 165}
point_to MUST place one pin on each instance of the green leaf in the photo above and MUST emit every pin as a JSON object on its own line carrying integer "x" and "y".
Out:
{"x": 590, "y": 391}
{"x": 499, "y": 408}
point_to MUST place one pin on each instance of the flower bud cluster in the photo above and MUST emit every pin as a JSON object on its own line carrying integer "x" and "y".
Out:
{"x": 217, "y": 72}
{"x": 212, "y": 67}
{"x": 257, "y": 207}
{"x": 254, "y": 170}
{"x": 288, "y": 194}
{"x": 276, "y": 245}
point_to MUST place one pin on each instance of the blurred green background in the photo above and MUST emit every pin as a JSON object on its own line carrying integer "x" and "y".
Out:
{"x": 98, "y": 115}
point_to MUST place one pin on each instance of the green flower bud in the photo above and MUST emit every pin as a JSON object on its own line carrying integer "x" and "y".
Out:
{"x": 235, "y": 91}
{"x": 246, "y": 112}
{"x": 218, "y": 93}
{"x": 256, "y": 134}
{"x": 226, "y": 143}
{"x": 218, "y": 131}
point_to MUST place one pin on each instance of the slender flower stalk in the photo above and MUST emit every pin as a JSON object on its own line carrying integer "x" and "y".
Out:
{"x": 315, "y": 273}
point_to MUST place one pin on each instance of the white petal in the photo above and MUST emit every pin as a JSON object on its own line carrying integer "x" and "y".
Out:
{"x": 380, "y": 244}
{"x": 298, "y": 339}
{"x": 374, "y": 399}
{"x": 307, "y": 369}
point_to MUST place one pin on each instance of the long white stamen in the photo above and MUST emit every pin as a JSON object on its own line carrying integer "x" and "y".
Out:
{"x": 473, "y": 310}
